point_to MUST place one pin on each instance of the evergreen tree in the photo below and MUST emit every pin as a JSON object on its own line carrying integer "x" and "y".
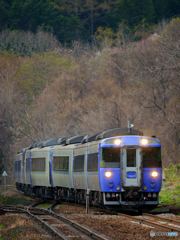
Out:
{"x": 4, "y": 14}
{"x": 135, "y": 12}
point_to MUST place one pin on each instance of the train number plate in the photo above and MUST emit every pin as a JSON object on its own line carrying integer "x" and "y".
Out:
{"x": 131, "y": 174}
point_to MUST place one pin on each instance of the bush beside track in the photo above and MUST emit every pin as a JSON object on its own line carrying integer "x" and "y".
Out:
{"x": 170, "y": 197}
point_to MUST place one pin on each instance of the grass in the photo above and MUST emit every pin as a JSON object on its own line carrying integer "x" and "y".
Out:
{"x": 14, "y": 201}
{"x": 171, "y": 195}
{"x": 45, "y": 205}
{"x": 1, "y": 226}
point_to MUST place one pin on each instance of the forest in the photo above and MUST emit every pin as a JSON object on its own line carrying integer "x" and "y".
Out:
{"x": 71, "y": 20}
{"x": 83, "y": 67}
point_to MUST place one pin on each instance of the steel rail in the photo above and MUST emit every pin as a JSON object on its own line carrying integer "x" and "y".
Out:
{"x": 161, "y": 218}
{"x": 72, "y": 223}
{"x": 60, "y": 235}
{"x": 13, "y": 209}
{"x": 79, "y": 227}
{"x": 151, "y": 222}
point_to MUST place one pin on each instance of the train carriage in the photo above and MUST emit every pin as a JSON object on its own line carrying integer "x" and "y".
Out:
{"x": 62, "y": 170}
{"x": 120, "y": 167}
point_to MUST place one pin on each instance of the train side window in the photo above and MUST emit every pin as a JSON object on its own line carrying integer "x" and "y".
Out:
{"x": 38, "y": 164}
{"x": 61, "y": 163}
{"x": 19, "y": 166}
{"x": 27, "y": 164}
{"x": 79, "y": 163}
{"x": 131, "y": 157}
{"x": 92, "y": 162}
{"x": 16, "y": 169}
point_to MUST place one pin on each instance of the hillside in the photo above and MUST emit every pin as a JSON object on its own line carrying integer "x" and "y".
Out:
{"x": 88, "y": 88}
{"x": 70, "y": 20}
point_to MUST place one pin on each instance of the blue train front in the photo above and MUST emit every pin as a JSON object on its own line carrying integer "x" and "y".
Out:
{"x": 120, "y": 167}
{"x": 130, "y": 171}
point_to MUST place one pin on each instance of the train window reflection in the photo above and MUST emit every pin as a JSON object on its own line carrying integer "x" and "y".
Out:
{"x": 151, "y": 154}
{"x": 131, "y": 157}
{"x": 110, "y": 157}
{"x": 151, "y": 157}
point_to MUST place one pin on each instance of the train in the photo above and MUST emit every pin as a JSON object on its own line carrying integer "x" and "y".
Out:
{"x": 121, "y": 168}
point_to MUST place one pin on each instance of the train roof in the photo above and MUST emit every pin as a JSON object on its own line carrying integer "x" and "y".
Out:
{"x": 119, "y": 132}
{"x": 75, "y": 139}
{"x": 87, "y": 138}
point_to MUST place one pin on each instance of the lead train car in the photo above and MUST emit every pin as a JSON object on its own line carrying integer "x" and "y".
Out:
{"x": 120, "y": 167}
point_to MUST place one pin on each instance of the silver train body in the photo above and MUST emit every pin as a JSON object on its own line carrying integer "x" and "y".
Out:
{"x": 66, "y": 168}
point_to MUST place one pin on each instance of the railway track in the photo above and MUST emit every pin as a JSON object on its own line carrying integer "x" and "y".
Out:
{"x": 160, "y": 224}
{"x": 60, "y": 226}
{"x": 63, "y": 228}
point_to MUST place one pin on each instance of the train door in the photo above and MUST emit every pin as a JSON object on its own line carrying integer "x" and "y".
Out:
{"x": 131, "y": 167}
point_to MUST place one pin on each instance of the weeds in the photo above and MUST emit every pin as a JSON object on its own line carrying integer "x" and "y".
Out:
{"x": 45, "y": 205}
{"x": 171, "y": 195}
{"x": 13, "y": 201}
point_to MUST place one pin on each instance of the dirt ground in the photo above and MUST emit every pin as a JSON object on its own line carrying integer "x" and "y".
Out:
{"x": 20, "y": 226}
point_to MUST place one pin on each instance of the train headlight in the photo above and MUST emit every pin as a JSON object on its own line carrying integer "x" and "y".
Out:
{"x": 117, "y": 141}
{"x": 144, "y": 141}
{"x": 108, "y": 174}
{"x": 154, "y": 173}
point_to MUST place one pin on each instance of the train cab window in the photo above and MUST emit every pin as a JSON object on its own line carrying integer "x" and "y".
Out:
{"x": 151, "y": 157}
{"x": 110, "y": 157}
{"x": 79, "y": 163}
{"x": 92, "y": 162}
{"x": 38, "y": 164}
{"x": 61, "y": 163}
{"x": 131, "y": 157}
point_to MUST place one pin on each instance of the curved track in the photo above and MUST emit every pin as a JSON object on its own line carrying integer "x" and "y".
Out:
{"x": 60, "y": 226}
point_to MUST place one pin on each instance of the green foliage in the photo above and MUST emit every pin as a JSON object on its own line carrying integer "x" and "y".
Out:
{"x": 172, "y": 29}
{"x": 171, "y": 195}
{"x": 1, "y": 226}
{"x": 165, "y": 197}
{"x": 45, "y": 205}
{"x": 136, "y": 38}
{"x": 40, "y": 70}
{"x": 136, "y": 14}
{"x": 105, "y": 35}
{"x": 74, "y": 20}
{"x": 13, "y": 201}
{"x": 172, "y": 173}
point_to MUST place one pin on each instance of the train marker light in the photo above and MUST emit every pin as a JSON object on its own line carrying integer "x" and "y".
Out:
{"x": 154, "y": 173}
{"x": 113, "y": 195}
{"x": 117, "y": 141}
{"x": 144, "y": 141}
{"x": 154, "y": 195}
{"x": 108, "y": 174}
{"x": 108, "y": 195}
{"x": 118, "y": 188}
{"x": 149, "y": 195}
{"x": 145, "y": 188}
